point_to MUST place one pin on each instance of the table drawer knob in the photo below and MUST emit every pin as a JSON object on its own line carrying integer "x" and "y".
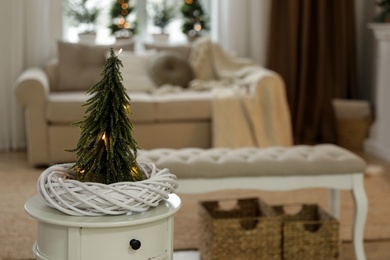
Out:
{"x": 135, "y": 244}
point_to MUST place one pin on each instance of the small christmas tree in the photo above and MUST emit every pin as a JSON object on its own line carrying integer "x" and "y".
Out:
{"x": 162, "y": 14}
{"x": 106, "y": 150}
{"x": 195, "y": 20}
{"x": 83, "y": 13}
{"x": 122, "y": 24}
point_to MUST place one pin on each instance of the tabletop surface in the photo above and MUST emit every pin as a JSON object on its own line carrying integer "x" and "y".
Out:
{"x": 37, "y": 208}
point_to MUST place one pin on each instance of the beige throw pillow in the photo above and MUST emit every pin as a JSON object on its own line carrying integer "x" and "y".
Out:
{"x": 201, "y": 59}
{"x": 168, "y": 67}
{"x": 134, "y": 72}
{"x": 80, "y": 65}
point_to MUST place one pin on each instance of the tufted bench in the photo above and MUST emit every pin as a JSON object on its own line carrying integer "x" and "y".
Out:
{"x": 272, "y": 169}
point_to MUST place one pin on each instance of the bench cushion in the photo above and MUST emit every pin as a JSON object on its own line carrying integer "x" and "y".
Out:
{"x": 297, "y": 160}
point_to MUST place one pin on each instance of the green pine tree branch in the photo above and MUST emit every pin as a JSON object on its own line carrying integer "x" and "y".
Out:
{"x": 106, "y": 151}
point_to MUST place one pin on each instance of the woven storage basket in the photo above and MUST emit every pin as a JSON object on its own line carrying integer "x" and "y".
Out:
{"x": 247, "y": 229}
{"x": 353, "y": 132}
{"x": 310, "y": 234}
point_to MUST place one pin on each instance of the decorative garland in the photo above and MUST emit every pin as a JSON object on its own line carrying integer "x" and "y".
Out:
{"x": 60, "y": 191}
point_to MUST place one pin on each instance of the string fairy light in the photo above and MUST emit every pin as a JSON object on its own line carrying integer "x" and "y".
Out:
{"x": 197, "y": 27}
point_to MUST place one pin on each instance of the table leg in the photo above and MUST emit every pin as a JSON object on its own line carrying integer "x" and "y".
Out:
{"x": 361, "y": 209}
{"x": 334, "y": 202}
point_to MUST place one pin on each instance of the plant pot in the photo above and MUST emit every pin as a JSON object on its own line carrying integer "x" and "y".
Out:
{"x": 72, "y": 197}
{"x": 160, "y": 37}
{"x": 124, "y": 40}
{"x": 87, "y": 38}
{"x": 191, "y": 38}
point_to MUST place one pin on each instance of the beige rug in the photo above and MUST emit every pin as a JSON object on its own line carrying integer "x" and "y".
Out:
{"x": 18, "y": 230}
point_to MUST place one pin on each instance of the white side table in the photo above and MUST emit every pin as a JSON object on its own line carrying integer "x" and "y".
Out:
{"x": 148, "y": 235}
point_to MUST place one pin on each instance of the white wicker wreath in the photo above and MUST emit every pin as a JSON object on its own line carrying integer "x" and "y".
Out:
{"x": 77, "y": 198}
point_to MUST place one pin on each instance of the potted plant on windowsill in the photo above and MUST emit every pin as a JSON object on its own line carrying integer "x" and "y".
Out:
{"x": 162, "y": 15}
{"x": 84, "y": 14}
{"x": 123, "y": 23}
{"x": 195, "y": 21}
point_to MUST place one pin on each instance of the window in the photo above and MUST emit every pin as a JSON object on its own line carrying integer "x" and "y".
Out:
{"x": 141, "y": 13}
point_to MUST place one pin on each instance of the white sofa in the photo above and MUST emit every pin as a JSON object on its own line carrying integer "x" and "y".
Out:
{"x": 52, "y": 99}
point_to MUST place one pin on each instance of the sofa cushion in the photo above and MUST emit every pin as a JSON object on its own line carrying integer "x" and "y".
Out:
{"x": 135, "y": 72}
{"x": 80, "y": 65}
{"x": 143, "y": 108}
{"x": 168, "y": 67}
{"x": 186, "y": 105}
{"x": 66, "y": 107}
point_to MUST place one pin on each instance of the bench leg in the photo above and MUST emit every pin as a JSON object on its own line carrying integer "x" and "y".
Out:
{"x": 361, "y": 209}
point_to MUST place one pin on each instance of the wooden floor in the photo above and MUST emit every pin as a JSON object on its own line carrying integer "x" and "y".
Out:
{"x": 375, "y": 250}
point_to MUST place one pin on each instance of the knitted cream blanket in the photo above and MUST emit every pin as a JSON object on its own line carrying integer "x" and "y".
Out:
{"x": 249, "y": 107}
{"x": 255, "y": 116}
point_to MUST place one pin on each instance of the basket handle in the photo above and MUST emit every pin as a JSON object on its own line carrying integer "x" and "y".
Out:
{"x": 246, "y": 223}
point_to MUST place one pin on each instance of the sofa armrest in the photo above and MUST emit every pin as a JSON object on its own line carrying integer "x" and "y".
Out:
{"x": 32, "y": 90}
{"x": 32, "y": 87}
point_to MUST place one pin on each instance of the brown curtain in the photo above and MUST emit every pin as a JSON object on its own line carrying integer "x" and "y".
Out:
{"x": 312, "y": 46}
